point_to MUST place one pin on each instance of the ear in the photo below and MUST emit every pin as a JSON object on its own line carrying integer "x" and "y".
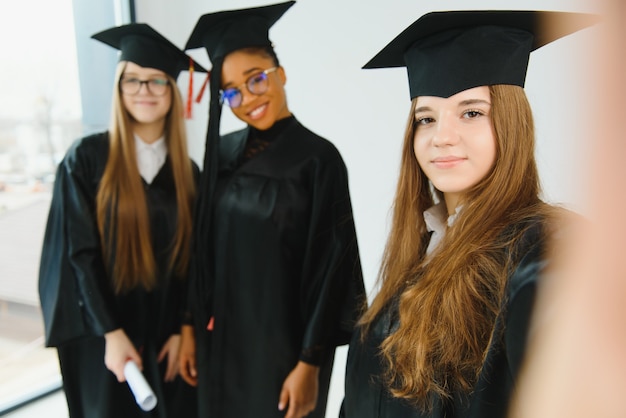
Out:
{"x": 282, "y": 75}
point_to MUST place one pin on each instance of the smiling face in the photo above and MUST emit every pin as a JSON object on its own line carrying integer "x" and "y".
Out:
{"x": 145, "y": 108}
{"x": 259, "y": 111}
{"x": 454, "y": 141}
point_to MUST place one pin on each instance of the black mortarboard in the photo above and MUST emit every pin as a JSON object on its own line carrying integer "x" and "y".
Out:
{"x": 226, "y": 31}
{"x": 448, "y": 52}
{"x": 144, "y": 46}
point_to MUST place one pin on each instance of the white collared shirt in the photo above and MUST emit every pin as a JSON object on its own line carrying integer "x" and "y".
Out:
{"x": 150, "y": 157}
{"x": 437, "y": 221}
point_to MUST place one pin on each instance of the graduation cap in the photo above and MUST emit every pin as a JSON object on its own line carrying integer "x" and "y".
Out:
{"x": 144, "y": 46}
{"x": 226, "y": 31}
{"x": 448, "y": 52}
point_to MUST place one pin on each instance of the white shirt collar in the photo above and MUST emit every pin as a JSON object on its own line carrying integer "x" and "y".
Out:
{"x": 437, "y": 221}
{"x": 150, "y": 157}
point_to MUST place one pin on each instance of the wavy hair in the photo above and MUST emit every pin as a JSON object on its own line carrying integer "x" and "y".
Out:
{"x": 122, "y": 212}
{"x": 448, "y": 305}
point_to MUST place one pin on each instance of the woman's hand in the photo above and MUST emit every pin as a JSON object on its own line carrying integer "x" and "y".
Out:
{"x": 170, "y": 351}
{"x": 117, "y": 351}
{"x": 299, "y": 391}
{"x": 187, "y": 356}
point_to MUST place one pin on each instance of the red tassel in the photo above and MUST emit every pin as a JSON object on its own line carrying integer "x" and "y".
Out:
{"x": 203, "y": 88}
{"x": 189, "y": 91}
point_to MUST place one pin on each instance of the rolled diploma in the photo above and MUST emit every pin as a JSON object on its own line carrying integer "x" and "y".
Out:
{"x": 144, "y": 396}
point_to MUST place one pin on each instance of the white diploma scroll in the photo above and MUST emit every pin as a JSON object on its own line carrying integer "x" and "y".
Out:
{"x": 139, "y": 386}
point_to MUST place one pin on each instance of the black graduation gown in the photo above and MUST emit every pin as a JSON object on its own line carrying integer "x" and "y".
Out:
{"x": 287, "y": 281}
{"x": 367, "y": 397}
{"x": 78, "y": 303}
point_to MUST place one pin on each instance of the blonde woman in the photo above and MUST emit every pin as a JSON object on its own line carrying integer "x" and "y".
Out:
{"x": 117, "y": 244}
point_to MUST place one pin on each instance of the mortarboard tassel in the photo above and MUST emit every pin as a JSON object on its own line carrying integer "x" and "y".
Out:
{"x": 203, "y": 88}
{"x": 190, "y": 91}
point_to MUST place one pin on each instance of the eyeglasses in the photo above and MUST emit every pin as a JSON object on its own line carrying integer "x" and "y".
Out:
{"x": 256, "y": 84}
{"x": 132, "y": 85}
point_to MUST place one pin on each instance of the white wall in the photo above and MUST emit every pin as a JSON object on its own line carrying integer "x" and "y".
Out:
{"x": 324, "y": 43}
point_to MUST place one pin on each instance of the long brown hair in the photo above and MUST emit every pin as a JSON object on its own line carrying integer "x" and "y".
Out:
{"x": 448, "y": 305}
{"x": 122, "y": 212}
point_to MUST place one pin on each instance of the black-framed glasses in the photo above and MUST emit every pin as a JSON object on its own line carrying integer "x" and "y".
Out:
{"x": 256, "y": 84}
{"x": 132, "y": 85}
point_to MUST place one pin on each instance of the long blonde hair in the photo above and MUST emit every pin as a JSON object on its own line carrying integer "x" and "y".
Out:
{"x": 448, "y": 306}
{"x": 122, "y": 212}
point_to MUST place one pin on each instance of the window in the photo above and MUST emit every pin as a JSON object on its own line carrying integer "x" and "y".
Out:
{"x": 40, "y": 115}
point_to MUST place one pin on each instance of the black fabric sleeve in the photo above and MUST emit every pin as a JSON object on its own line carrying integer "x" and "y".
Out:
{"x": 523, "y": 289}
{"x": 78, "y": 191}
{"x": 332, "y": 291}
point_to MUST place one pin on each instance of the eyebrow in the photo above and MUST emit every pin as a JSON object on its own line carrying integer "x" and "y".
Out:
{"x": 467, "y": 102}
{"x": 151, "y": 75}
{"x": 474, "y": 101}
{"x": 423, "y": 109}
{"x": 245, "y": 73}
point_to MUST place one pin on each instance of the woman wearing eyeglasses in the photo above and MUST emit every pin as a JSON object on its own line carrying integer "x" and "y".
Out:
{"x": 276, "y": 284}
{"x": 117, "y": 243}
